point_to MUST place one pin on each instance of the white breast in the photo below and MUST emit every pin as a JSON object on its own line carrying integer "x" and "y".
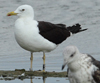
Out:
{"x": 28, "y": 37}
{"x": 84, "y": 73}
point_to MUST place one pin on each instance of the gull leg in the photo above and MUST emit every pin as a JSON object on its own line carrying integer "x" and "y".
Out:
{"x": 31, "y": 80}
{"x": 31, "y": 59}
{"x": 44, "y": 78}
{"x": 44, "y": 61}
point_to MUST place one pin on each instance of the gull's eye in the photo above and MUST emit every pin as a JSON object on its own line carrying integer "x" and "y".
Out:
{"x": 23, "y": 9}
{"x": 71, "y": 55}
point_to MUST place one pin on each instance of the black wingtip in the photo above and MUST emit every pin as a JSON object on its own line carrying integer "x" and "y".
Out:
{"x": 83, "y": 29}
{"x": 77, "y": 24}
{"x": 76, "y": 28}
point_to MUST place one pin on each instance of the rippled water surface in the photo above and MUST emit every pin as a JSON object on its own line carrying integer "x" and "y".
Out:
{"x": 37, "y": 80}
{"x": 69, "y": 12}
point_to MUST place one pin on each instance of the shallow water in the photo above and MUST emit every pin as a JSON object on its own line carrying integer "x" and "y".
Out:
{"x": 37, "y": 80}
{"x": 69, "y": 12}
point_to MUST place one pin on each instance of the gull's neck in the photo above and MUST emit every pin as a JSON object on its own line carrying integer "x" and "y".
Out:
{"x": 27, "y": 17}
{"x": 75, "y": 65}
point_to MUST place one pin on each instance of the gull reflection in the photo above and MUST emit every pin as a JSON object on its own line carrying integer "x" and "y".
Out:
{"x": 43, "y": 78}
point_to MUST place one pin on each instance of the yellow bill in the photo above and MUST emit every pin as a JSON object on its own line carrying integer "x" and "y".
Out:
{"x": 11, "y": 13}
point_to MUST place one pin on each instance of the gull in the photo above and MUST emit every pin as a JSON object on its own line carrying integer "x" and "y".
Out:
{"x": 39, "y": 36}
{"x": 82, "y": 68}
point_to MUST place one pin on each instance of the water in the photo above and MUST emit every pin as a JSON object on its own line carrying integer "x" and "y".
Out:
{"x": 37, "y": 80}
{"x": 69, "y": 12}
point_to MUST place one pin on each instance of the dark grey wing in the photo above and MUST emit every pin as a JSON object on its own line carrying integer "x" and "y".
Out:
{"x": 95, "y": 62}
{"x": 96, "y": 74}
{"x": 55, "y": 33}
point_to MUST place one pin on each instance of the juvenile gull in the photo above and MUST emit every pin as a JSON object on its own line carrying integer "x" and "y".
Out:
{"x": 37, "y": 36}
{"x": 82, "y": 68}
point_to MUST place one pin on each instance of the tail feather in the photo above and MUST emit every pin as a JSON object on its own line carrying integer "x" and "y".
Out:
{"x": 75, "y": 28}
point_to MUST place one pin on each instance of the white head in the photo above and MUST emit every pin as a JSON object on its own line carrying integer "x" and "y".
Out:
{"x": 23, "y": 11}
{"x": 70, "y": 54}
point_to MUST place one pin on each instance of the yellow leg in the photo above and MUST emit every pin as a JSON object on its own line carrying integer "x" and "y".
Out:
{"x": 44, "y": 61}
{"x": 31, "y": 80}
{"x": 31, "y": 58}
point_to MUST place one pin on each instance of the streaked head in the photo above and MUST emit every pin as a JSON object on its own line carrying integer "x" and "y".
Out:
{"x": 70, "y": 54}
{"x": 23, "y": 11}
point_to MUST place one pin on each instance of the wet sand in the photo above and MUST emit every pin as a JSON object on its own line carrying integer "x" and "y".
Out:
{"x": 22, "y": 74}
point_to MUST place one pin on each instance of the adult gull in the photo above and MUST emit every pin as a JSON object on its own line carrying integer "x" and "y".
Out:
{"x": 37, "y": 36}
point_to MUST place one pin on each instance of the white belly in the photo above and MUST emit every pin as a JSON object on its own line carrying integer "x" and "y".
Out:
{"x": 83, "y": 73}
{"x": 80, "y": 77}
{"x": 30, "y": 39}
